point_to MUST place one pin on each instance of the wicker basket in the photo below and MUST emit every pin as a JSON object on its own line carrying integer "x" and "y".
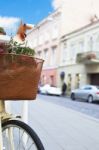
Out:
{"x": 19, "y": 76}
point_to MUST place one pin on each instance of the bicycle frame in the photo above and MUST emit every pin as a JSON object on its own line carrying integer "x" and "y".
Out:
{"x": 2, "y": 110}
{"x": 1, "y": 141}
{"x": 3, "y": 117}
{"x": 7, "y": 122}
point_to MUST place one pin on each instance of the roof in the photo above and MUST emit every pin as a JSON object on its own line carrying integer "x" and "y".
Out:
{"x": 80, "y": 29}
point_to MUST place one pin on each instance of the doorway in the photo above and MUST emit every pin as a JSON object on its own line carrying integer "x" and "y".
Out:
{"x": 94, "y": 79}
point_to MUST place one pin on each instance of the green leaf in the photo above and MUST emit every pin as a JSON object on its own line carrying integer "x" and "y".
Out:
{"x": 15, "y": 47}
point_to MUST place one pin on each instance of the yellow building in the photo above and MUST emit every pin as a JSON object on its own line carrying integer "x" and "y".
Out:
{"x": 80, "y": 56}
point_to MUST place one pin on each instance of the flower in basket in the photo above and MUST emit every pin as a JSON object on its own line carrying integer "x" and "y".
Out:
{"x": 19, "y": 48}
{"x": 17, "y": 44}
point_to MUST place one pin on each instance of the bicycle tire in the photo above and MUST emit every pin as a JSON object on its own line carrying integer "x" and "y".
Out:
{"x": 27, "y": 130}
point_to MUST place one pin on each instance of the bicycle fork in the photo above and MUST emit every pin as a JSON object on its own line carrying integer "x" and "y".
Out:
{"x": 9, "y": 133}
{"x": 2, "y": 110}
{"x": 1, "y": 140}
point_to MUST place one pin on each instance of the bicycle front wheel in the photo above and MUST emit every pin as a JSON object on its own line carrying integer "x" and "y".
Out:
{"x": 19, "y": 136}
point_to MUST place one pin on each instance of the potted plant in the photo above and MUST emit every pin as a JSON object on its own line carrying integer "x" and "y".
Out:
{"x": 19, "y": 71}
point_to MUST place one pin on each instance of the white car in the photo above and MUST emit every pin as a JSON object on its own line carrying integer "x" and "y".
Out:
{"x": 47, "y": 89}
{"x": 44, "y": 89}
{"x": 89, "y": 93}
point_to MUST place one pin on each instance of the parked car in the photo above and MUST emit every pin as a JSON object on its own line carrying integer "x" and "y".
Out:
{"x": 44, "y": 89}
{"x": 50, "y": 90}
{"x": 89, "y": 93}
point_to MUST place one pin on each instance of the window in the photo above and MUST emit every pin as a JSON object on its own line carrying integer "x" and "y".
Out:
{"x": 73, "y": 51}
{"x": 97, "y": 42}
{"x": 88, "y": 88}
{"x": 90, "y": 44}
{"x": 55, "y": 32}
{"x": 41, "y": 39}
{"x": 53, "y": 55}
{"x": 64, "y": 52}
{"x": 45, "y": 53}
{"x": 39, "y": 54}
{"x": 81, "y": 46}
{"x": 46, "y": 56}
{"x": 52, "y": 80}
{"x": 47, "y": 36}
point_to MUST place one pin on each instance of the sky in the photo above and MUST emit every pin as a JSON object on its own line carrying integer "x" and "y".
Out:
{"x": 33, "y": 11}
{"x": 30, "y": 11}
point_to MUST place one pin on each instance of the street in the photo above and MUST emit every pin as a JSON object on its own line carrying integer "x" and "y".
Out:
{"x": 60, "y": 127}
{"x": 91, "y": 109}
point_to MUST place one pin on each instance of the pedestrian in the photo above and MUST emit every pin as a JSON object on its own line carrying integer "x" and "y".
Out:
{"x": 64, "y": 88}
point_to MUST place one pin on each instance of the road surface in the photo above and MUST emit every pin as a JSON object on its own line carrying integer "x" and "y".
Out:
{"x": 62, "y": 128}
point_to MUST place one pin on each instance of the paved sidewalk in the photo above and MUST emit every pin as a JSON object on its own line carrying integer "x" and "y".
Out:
{"x": 63, "y": 129}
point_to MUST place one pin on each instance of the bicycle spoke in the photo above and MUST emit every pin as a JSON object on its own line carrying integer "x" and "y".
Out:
{"x": 30, "y": 146}
{"x": 19, "y": 136}
{"x": 19, "y": 141}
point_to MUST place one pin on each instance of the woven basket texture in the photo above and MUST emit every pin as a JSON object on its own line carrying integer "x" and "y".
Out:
{"x": 19, "y": 76}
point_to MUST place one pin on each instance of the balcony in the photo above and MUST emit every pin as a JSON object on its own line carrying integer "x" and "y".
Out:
{"x": 89, "y": 57}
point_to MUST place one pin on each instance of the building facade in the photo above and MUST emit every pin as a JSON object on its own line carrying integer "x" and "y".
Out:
{"x": 76, "y": 13}
{"x": 64, "y": 40}
{"x": 44, "y": 38}
{"x": 80, "y": 57}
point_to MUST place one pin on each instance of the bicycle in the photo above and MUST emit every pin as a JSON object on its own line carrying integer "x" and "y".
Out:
{"x": 14, "y": 133}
